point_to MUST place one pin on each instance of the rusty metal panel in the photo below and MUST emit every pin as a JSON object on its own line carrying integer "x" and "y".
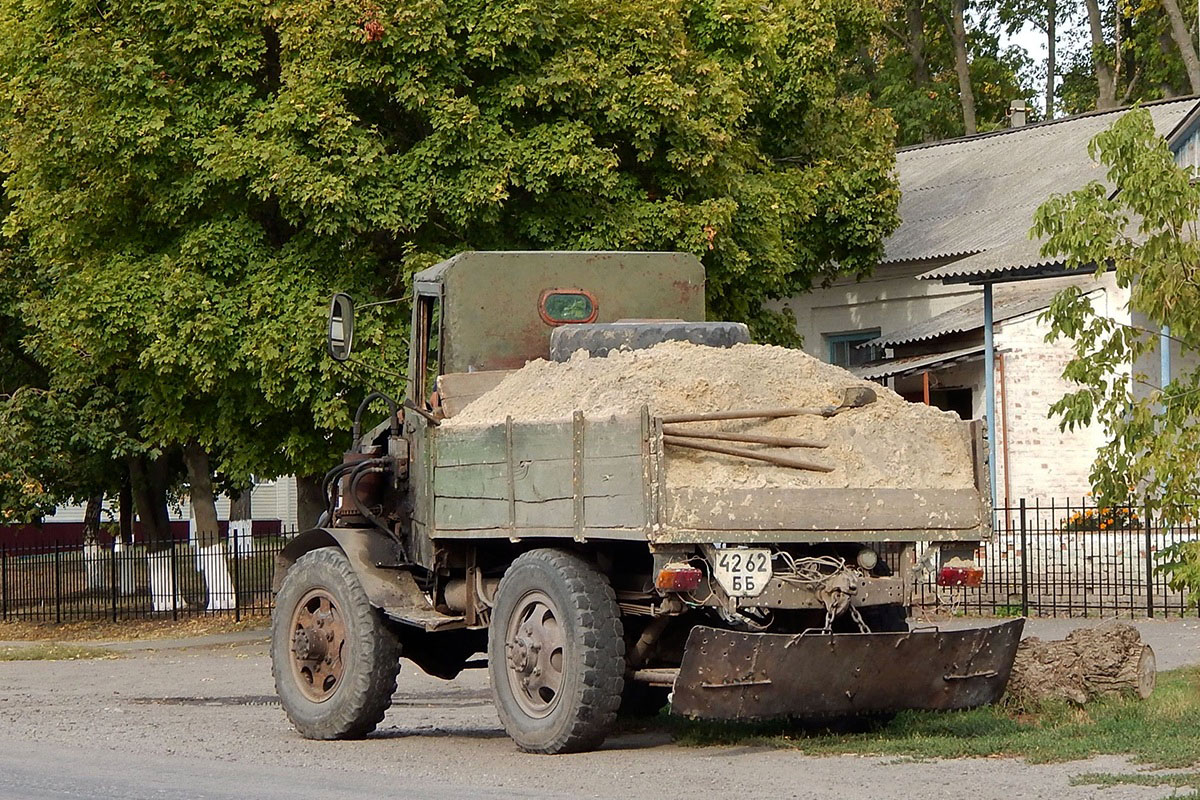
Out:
{"x": 733, "y": 675}
{"x": 490, "y": 314}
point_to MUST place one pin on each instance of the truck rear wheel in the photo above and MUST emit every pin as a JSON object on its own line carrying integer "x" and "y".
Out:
{"x": 333, "y": 657}
{"x": 556, "y": 654}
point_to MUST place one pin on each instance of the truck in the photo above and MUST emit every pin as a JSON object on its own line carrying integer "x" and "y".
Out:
{"x": 555, "y": 554}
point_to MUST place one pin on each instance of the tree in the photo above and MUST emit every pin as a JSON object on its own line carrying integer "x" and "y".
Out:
{"x": 1144, "y": 231}
{"x": 939, "y": 76}
{"x": 1141, "y": 50}
{"x": 1047, "y": 16}
{"x": 190, "y": 182}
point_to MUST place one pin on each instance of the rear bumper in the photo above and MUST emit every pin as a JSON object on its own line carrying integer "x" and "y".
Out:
{"x": 746, "y": 676}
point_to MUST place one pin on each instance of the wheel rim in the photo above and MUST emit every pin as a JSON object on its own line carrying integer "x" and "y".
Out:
{"x": 534, "y": 646}
{"x": 318, "y": 638}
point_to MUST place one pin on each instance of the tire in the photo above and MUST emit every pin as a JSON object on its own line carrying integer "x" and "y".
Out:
{"x": 333, "y": 657}
{"x": 601, "y": 339}
{"x": 549, "y": 704}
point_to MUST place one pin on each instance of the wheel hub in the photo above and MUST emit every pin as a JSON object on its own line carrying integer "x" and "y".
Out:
{"x": 534, "y": 648}
{"x": 318, "y": 637}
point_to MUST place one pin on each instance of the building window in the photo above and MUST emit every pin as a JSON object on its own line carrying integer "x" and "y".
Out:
{"x": 1188, "y": 152}
{"x": 844, "y": 349}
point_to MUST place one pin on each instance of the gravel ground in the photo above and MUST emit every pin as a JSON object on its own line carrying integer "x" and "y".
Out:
{"x": 202, "y": 722}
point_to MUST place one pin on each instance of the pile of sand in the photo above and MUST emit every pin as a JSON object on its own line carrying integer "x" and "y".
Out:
{"x": 891, "y": 443}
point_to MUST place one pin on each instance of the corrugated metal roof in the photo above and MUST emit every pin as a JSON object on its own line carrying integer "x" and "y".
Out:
{"x": 978, "y": 194}
{"x": 1008, "y": 302}
{"x": 904, "y": 366}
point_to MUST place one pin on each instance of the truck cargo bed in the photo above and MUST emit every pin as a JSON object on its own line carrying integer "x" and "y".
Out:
{"x": 606, "y": 479}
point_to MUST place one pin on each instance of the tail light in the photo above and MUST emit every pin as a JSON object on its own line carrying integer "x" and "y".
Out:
{"x": 970, "y": 577}
{"x": 678, "y": 578}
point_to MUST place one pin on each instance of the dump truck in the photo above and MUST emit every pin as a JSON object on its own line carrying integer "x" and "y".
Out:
{"x": 556, "y": 555}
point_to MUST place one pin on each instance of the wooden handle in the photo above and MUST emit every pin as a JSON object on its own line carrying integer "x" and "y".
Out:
{"x": 761, "y": 413}
{"x": 754, "y": 438}
{"x": 741, "y": 452}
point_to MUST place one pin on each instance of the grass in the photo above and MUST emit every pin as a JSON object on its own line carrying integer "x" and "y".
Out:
{"x": 1162, "y": 732}
{"x": 128, "y": 630}
{"x": 1177, "y": 780}
{"x": 53, "y": 651}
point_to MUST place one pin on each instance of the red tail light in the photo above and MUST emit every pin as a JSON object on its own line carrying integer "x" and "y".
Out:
{"x": 678, "y": 578}
{"x": 971, "y": 577}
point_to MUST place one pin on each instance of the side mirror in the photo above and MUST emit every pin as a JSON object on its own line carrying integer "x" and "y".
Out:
{"x": 341, "y": 327}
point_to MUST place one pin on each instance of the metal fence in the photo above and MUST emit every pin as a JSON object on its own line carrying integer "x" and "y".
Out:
{"x": 52, "y": 582}
{"x": 1069, "y": 559}
{"x": 1045, "y": 559}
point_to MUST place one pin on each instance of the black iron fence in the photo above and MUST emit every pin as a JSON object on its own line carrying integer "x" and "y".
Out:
{"x": 1069, "y": 559}
{"x": 53, "y": 582}
{"x": 1045, "y": 559}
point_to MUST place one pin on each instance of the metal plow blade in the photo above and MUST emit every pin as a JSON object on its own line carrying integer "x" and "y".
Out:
{"x": 732, "y": 675}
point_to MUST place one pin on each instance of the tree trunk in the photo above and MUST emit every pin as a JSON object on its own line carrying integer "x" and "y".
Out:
{"x": 1183, "y": 40}
{"x": 211, "y": 557}
{"x": 149, "y": 478}
{"x": 310, "y": 501}
{"x": 1051, "y": 54}
{"x": 915, "y": 45}
{"x": 1106, "y": 88}
{"x": 241, "y": 523}
{"x": 94, "y": 562}
{"x": 958, "y": 34}
{"x": 1107, "y": 659}
{"x": 122, "y": 544}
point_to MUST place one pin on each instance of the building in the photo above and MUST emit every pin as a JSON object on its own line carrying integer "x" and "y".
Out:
{"x": 961, "y": 270}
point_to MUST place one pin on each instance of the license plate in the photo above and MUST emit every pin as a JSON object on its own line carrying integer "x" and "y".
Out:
{"x": 742, "y": 571}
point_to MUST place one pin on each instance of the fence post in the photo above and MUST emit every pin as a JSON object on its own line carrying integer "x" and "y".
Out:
{"x": 174, "y": 581}
{"x": 1024, "y": 564}
{"x": 57, "y": 582}
{"x": 4, "y": 579}
{"x": 237, "y": 578}
{"x": 1149, "y": 567}
{"x": 113, "y": 577}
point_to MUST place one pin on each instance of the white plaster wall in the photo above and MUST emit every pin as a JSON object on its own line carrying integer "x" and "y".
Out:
{"x": 274, "y": 500}
{"x": 890, "y": 299}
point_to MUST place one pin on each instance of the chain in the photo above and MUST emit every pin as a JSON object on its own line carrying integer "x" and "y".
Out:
{"x": 857, "y": 617}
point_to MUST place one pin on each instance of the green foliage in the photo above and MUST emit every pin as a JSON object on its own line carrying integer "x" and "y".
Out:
{"x": 188, "y": 182}
{"x": 1149, "y": 66}
{"x": 886, "y": 73}
{"x": 1144, "y": 233}
{"x": 1181, "y": 563}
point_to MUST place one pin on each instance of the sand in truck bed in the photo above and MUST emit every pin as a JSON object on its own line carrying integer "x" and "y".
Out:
{"x": 891, "y": 443}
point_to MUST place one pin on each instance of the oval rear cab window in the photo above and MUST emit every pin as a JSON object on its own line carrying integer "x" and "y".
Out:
{"x": 567, "y": 306}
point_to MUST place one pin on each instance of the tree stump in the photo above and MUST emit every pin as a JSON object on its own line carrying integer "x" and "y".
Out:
{"x": 1107, "y": 659}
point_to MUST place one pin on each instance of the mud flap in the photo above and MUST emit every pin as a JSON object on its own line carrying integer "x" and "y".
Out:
{"x": 732, "y": 675}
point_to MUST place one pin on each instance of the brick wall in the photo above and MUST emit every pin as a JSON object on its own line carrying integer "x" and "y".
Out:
{"x": 1044, "y": 462}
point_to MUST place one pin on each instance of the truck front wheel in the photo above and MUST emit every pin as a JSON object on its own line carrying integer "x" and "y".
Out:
{"x": 556, "y": 653}
{"x": 333, "y": 657}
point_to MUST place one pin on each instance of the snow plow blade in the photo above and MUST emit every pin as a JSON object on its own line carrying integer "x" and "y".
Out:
{"x": 747, "y": 676}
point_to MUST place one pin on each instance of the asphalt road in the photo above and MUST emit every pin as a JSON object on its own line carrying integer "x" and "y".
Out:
{"x": 203, "y": 723}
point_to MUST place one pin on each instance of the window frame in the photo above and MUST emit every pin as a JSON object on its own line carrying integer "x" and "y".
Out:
{"x": 552, "y": 321}
{"x": 851, "y": 338}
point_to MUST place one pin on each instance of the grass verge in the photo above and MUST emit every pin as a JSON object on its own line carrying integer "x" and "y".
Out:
{"x": 1160, "y": 732}
{"x": 53, "y": 652}
{"x": 128, "y": 630}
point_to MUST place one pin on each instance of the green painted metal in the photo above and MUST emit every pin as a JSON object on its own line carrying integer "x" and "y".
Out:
{"x": 490, "y": 316}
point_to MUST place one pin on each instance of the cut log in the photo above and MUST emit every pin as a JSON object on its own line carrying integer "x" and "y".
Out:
{"x": 1110, "y": 658}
